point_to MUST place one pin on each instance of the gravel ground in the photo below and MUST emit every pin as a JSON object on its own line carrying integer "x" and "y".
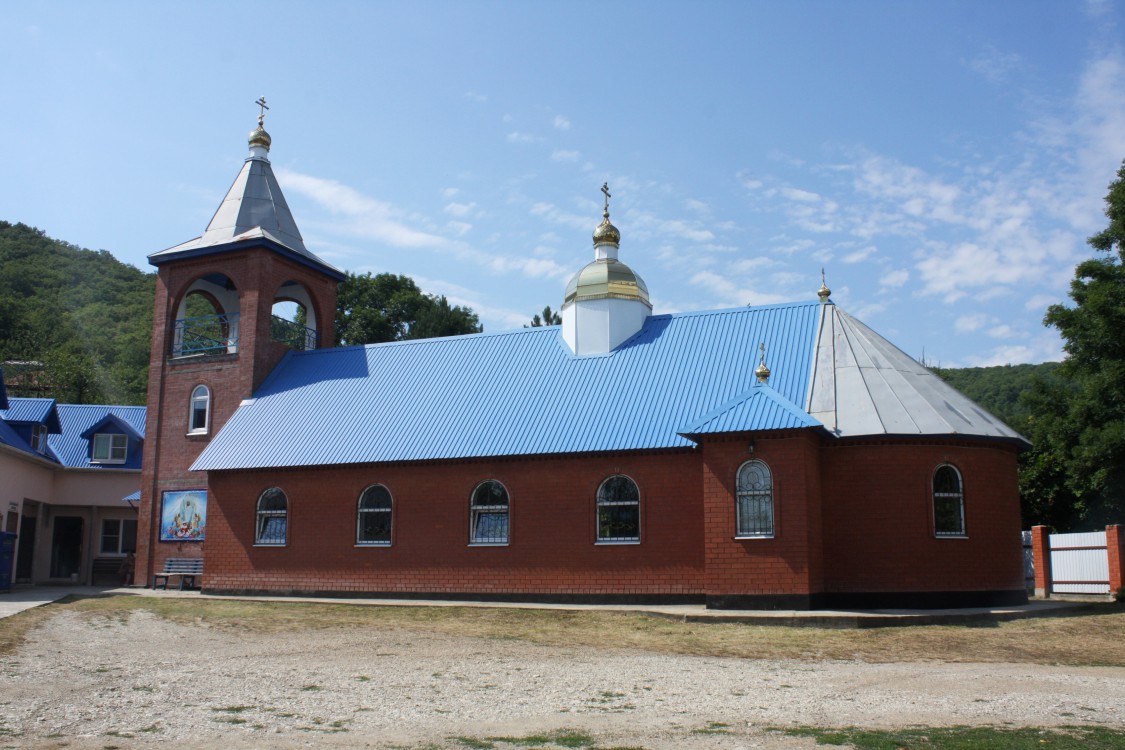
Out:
{"x": 96, "y": 683}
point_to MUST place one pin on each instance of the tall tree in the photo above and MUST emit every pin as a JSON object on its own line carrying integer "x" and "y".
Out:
{"x": 389, "y": 307}
{"x": 1079, "y": 425}
{"x": 549, "y": 318}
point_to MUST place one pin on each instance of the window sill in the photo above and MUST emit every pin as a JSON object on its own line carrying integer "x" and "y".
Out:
{"x": 488, "y": 544}
{"x": 616, "y": 542}
{"x": 951, "y": 536}
{"x": 372, "y": 544}
{"x": 751, "y": 537}
{"x": 270, "y": 544}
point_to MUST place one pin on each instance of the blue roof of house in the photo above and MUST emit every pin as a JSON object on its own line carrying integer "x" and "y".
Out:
{"x": 11, "y": 438}
{"x": 33, "y": 410}
{"x": 72, "y": 448}
{"x": 522, "y": 393}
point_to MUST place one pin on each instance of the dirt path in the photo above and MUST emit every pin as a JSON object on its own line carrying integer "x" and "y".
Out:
{"x": 97, "y": 683}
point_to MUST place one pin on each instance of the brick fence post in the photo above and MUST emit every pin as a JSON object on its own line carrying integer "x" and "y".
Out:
{"x": 1041, "y": 552}
{"x": 1114, "y": 539}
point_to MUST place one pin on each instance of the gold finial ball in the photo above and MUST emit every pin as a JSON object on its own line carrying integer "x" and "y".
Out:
{"x": 259, "y": 137}
{"x": 762, "y": 373}
{"x": 824, "y": 292}
{"x": 606, "y": 232}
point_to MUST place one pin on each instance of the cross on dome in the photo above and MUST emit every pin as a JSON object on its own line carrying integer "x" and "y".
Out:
{"x": 262, "y": 114}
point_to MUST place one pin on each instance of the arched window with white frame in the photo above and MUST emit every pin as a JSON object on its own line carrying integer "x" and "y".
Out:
{"x": 199, "y": 421}
{"x": 949, "y": 502}
{"x": 272, "y": 518}
{"x": 488, "y": 513}
{"x": 619, "y": 510}
{"x": 754, "y": 501}
{"x": 374, "y": 516}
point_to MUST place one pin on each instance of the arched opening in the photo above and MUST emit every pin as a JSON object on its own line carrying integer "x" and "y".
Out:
{"x": 293, "y": 317}
{"x": 207, "y": 318}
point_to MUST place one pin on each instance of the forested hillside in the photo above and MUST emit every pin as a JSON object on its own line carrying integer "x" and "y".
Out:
{"x": 75, "y": 324}
{"x": 998, "y": 389}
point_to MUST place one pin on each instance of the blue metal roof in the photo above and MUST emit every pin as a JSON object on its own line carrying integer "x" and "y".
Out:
{"x": 12, "y": 439}
{"x": 73, "y": 450}
{"x": 515, "y": 393}
{"x": 33, "y": 410}
{"x": 760, "y": 408}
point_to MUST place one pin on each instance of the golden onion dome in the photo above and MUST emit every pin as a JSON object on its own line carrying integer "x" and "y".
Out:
{"x": 606, "y": 232}
{"x": 606, "y": 278}
{"x": 259, "y": 137}
{"x": 824, "y": 292}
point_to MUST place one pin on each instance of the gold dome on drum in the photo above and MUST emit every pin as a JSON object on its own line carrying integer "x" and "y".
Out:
{"x": 259, "y": 137}
{"x": 606, "y": 278}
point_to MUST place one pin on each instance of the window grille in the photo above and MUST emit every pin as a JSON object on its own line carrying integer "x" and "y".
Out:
{"x": 488, "y": 514}
{"x": 949, "y": 502}
{"x": 619, "y": 510}
{"x": 754, "y": 503}
{"x": 273, "y": 516}
{"x": 373, "y": 522}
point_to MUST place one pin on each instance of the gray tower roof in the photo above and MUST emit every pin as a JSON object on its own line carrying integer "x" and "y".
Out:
{"x": 253, "y": 209}
{"x": 863, "y": 384}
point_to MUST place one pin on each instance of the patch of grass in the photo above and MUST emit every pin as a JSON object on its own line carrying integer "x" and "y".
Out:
{"x": 474, "y": 743}
{"x": 713, "y": 727}
{"x": 968, "y": 738}
{"x": 1091, "y": 638}
{"x": 233, "y": 709}
{"x": 562, "y": 738}
{"x": 311, "y": 688}
{"x": 363, "y": 678}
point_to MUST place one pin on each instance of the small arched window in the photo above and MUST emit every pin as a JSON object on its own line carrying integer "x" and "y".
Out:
{"x": 488, "y": 514}
{"x": 754, "y": 500}
{"x": 949, "y": 502}
{"x": 619, "y": 510}
{"x": 373, "y": 521}
{"x": 200, "y": 419}
{"x": 273, "y": 518}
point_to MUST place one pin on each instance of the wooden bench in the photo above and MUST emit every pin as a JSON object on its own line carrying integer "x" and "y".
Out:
{"x": 186, "y": 568}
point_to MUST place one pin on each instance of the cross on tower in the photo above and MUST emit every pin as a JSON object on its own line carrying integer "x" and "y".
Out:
{"x": 261, "y": 115}
{"x": 605, "y": 190}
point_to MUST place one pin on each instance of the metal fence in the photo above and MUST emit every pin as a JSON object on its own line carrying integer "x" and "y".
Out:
{"x": 1079, "y": 563}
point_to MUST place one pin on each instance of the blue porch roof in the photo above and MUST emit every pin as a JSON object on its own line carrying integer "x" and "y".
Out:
{"x": 518, "y": 393}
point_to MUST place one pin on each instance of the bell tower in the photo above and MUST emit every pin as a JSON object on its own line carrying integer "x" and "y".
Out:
{"x": 229, "y": 305}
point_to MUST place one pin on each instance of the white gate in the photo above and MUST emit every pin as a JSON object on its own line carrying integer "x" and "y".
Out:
{"x": 1079, "y": 563}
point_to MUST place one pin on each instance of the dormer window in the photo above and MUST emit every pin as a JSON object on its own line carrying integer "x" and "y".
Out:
{"x": 39, "y": 438}
{"x": 110, "y": 449}
{"x": 200, "y": 418}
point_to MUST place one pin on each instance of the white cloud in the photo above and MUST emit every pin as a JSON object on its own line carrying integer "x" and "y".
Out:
{"x": 726, "y": 293}
{"x": 555, "y": 215}
{"x": 449, "y": 192}
{"x": 476, "y": 97}
{"x": 517, "y": 137}
{"x": 563, "y": 155}
{"x": 796, "y": 194}
{"x": 860, "y": 255}
{"x": 895, "y": 278}
{"x": 561, "y": 123}
{"x": 970, "y": 323}
{"x": 459, "y": 209}
{"x": 995, "y": 66}
{"x": 363, "y": 216}
{"x": 1003, "y": 331}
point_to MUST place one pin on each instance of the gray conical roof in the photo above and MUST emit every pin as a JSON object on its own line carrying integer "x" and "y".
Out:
{"x": 253, "y": 209}
{"x": 863, "y": 384}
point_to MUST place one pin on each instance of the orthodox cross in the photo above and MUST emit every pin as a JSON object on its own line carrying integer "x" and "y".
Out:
{"x": 605, "y": 190}
{"x": 261, "y": 115}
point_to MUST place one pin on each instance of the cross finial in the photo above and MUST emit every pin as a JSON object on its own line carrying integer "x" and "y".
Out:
{"x": 605, "y": 190}
{"x": 762, "y": 349}
{"x": 262, "y": 114}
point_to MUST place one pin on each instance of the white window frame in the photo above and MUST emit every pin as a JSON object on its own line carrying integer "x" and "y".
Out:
{"x": 264, "y": 516}
{"x": 201, "y": 394}
{"x": 958, "y": 496}
{"x": 744, "y": 495}
{"x": 478, "y": 512}
{"x": 39, "y": 438}
{"x": 602, "y": 501}
{"x": 116, "y": 448}
{"x": 361, "y": 512}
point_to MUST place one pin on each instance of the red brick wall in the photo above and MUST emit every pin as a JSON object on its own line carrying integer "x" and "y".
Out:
{"x": 551, "y": 546}
{"x": 878, "y": 518}
{"x": 790, "y": 562}
{"x": 257, "y": 274}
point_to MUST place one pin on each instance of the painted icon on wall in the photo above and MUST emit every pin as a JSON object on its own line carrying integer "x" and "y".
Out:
{"x": 184, "y": 516}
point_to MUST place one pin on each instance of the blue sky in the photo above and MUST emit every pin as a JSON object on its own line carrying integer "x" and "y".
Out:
{"x": 943, "y": 161}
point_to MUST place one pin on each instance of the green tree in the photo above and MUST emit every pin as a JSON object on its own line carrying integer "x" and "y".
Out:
{"x": 1078, "y": 464}
{"x": 389, "y": 307}
{"x": 548, "y": 318}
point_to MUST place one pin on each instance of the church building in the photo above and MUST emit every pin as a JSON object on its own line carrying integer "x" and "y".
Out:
{"x": 777, "y": 456}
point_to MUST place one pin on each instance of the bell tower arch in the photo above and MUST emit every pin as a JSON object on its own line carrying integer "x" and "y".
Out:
{"x": 215, "y": 324}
